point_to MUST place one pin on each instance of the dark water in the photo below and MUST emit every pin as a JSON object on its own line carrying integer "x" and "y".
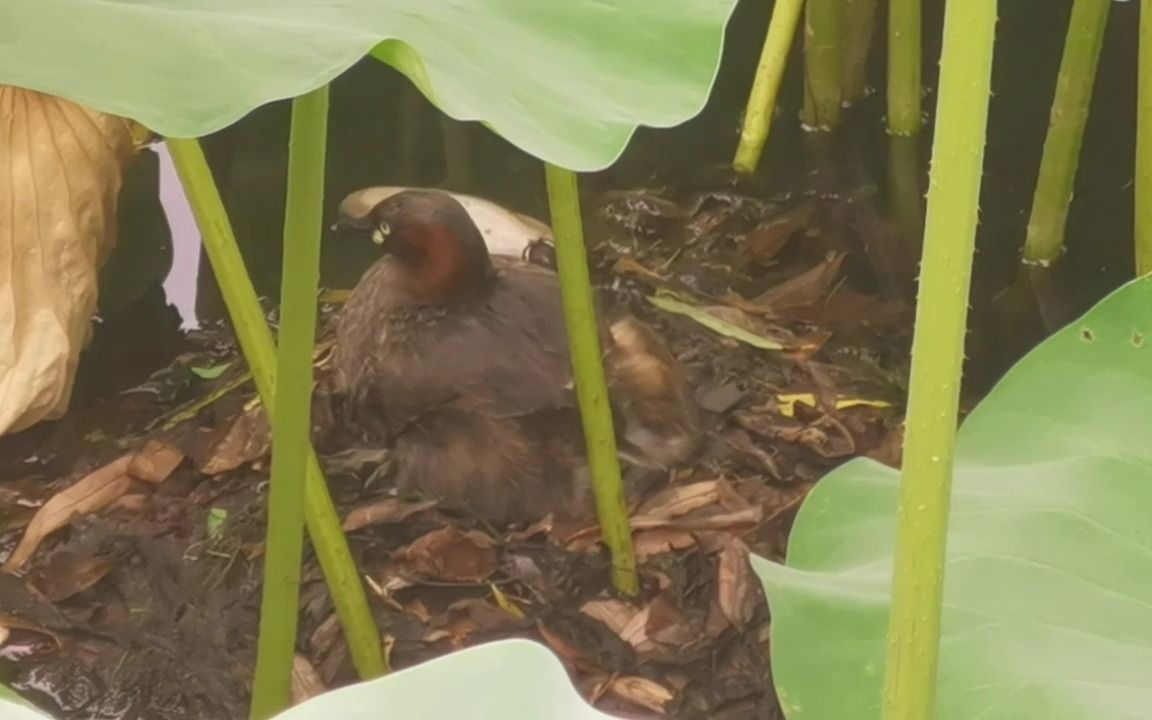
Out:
{"x": 384, "y": 132}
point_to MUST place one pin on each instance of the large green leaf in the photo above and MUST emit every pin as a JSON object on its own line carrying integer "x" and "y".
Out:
{"x": 1048, "y": 591}
{"x": 494, "y": 681}
{"x": 566, "y": 81}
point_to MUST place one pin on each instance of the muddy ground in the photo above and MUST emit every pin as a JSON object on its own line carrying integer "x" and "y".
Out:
{"x": 132, "y": 528}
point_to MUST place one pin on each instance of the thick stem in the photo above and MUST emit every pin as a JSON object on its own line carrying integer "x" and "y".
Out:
{"x": 859, "y": 28}
{"x": 906, "y": 205}
{"x": 588, "y": 368}
{"x": 937, "y": 356}
{"x": 1045, "y": 239}
{"x": 1144, "y": 145}
{"x": 256, "y": 343}
{"x": 766, "y": 86}
{"x": 904, "y": 67}
{"x": 284, "y": 547}
{"x": 822, "y": 92}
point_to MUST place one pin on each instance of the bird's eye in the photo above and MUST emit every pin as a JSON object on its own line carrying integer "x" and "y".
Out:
{"x": 380, "y": 234}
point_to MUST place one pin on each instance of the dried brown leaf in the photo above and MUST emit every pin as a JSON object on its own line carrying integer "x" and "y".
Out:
{"x": 681, "y": 499}
{"x": 248, "y": 437}
{"x": 467, "y": 617}
{"x": 155, "y": 462}
{"x": 734, "y": 583}
{"x": 93, "y": 493}
{"x": 386, "y": 510}
{"x": 61, "y": 167}
{"x": 133, "y": 503}
{"x": 9, "y": 621}
{"x": 807, "y": 288}
{"x": 767, "y": 239}
{"x": 661, "y": 540}
{"x": 541, "y": 526}
{"x": 66, "y": 575}
{"x": 568, "y": 652}
{"x": 306, "y": 682}
{"x": 748, "y": 517}
{"x": 616, "y": 614}
{"x": 635, "y": 632}
{"x": 451, "y": 554}
{"x": 641, "y": 691}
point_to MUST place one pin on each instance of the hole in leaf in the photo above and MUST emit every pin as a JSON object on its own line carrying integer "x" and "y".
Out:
{"x": 1137, "y": 338}
{"x": 1087, "y": 335}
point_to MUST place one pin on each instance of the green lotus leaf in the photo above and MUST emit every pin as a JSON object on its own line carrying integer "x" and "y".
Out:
{"x": 1048, "y": 593}
{"x": 566, "y": 81}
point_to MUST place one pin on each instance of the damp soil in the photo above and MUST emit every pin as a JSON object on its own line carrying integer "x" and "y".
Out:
{"x": 147, "y": 606}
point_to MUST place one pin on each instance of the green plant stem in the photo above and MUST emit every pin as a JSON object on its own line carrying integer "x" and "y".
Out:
{"x": 591, "y": 389}
{"x": 1044, "y": 242}
{"x": 256, "y": 342}
{"x": 906, "y": 206}
{"x": 822, "y": 93}
{"x": 937, "y": 356}
{"x": 291, "y": 425}
{"x": 859, "y": 28}
{"x": 904, "y": 67}
{"x": 1143, "y": 227}
{"x": 766, "y": 86}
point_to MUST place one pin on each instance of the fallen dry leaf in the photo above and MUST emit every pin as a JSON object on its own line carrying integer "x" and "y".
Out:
{"x": 786, "y": 402}
{"x": 568, "y": 652}
{"x": 659, "y": 541}
{"x": 93, "y": 493}
{"x": 635, "y": 632}
{"x": 826, "y": 436}
{"x": 541, "y": 526}
{"x": 680, "y": 499}
{"x": 767, "y": 239}
{"x": 61, "y": 167}
{"x": 451, "y": 554}
{"x": 743, "y": 519}
{"x": 247, "y": 438}
{"x": 133, "y": 503}
{"x": 807, "y": 288}
{"x": 641, "y": 691}
{"x": 505, "y": 603}
{"x": 306, "y": 682}
{"x": 155, "y": 462}
{"x": 614, "y": 613}
{"x": 9, "y": 622}
{"x": 669, "y": 629}
{"x": 628, "y": 266}
{"x": 734, "y": 583}
{"x": 386, "y": 510}
{"x": 466, "y": 617}
{"x": 66, "y": 575}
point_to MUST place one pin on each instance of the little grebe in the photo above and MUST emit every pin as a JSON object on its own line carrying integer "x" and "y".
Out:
{"x": 458, "y": 361}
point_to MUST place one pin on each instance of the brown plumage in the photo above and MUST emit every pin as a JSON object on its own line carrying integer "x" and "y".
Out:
{"x": 458, "y": 361}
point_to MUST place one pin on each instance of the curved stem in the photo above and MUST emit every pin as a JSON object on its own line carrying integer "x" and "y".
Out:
{"x": 256, "y": 343}
{"x": 1044, "y": 242}
{"x": 766, "y": 86}
{"x": 904, "y": 67}
{"x": 588, "y": 369}
{"x": 284, "y": 546}
{"x": 859, "y": 28}
{"x": 822, "y": 91}
{"x": 937, "y": 356}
